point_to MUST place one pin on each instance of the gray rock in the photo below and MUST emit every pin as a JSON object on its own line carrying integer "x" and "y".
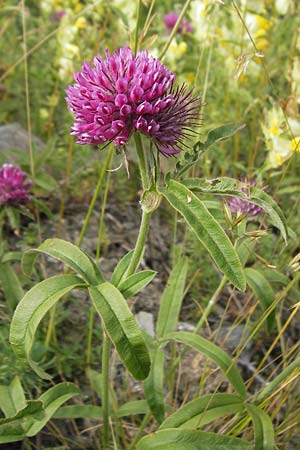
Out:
{"x": 14, "y": 135}
{"x": 146, "y": 322}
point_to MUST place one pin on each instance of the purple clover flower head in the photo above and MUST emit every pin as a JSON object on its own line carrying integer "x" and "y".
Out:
{"x": 14, "y": 190}
{"x": 170, "y": 20}
{"x": 126, "y": 93}
{"x": 238, "y": 205}
{"x": 58, "y": 15}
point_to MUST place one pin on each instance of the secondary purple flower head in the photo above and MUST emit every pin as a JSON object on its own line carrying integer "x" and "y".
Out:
{"x": 13, "y": 187}
{"x": 170, "y": 20}
{"x": 126, "y": 93}
{"x": 238, "y": 205}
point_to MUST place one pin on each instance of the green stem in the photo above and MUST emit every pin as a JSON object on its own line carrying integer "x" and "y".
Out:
{"x": 141, "y": 160}
{"x": 95, "y": 195}
{"x": 137, "y": 27}
{"x": 174, "y": 31}
{"x": 140, "y": 430}
{"x": 140, "y": 244}
{"x": 105, "y": 389}
{"x": 90, "y": 335}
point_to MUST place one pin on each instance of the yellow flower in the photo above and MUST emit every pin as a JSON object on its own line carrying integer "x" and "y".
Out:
{"x": 80, "y": 23}
{"x": 191, "y": 77}
{"x": 295, "y": 144}
{"x": 176, "y": 50}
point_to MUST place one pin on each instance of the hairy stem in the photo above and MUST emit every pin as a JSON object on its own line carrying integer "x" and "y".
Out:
{"x": 105, "y": 389}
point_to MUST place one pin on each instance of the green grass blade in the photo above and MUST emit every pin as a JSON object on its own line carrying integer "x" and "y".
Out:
{"x": 154, "y": 387}
{"x": 172, "y": 299}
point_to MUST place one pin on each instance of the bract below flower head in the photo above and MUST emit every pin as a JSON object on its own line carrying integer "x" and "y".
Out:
{"x": 14, "y": 190}
{"x": 126, "y": 93}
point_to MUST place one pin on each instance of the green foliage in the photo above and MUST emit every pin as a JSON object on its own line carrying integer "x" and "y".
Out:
{"x": 122, "y": 328}
{"x": 207, "y": 230}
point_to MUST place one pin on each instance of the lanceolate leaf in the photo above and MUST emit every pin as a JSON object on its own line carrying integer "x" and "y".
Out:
{"x": 214, "y": 353}
{"x": 154, "y": 387}
{"x": 214, "y": 136}
{"x": 52, "y": 400}
{"x": 263, "y": 428}
{"x": 174, "y": 439}
{"x": 136, "y": 282}
{"x": 232, "y": 187}
{"x": 69, "y": 254}
{"x": 14, "y": 428}
{"x": 208, "y": 231}
{"x": 172, "y": 299}
{"x": 132, "y": 408}
{"x": 78, "y": 412}
{"x": 31, "y": 310}
{"x": 263, "y": 291}
{"x": 122, "y": 328}
{"x": 204, "y": 405}
{"x": 119, "y": 274}
{"x": 11, "y": 285}
{"x": 12, "y": 398}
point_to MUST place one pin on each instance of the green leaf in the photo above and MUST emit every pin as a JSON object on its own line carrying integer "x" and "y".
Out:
{"x": 13, "y": 429}
{"x": 232, "y": 187}
{"x": 174, "y": 439}
{"x": 52, "y": 401}
{"x": 12, "y": 398}
{"x": 200, "y": 407}
{"x": 31, "y": 310}
{"x": 11, "y": 285}
{"x": 154, "y": 386}
{"x": 263, "y": 428}
{"x": 172, "y": 299}
{"x": 78, "y": 412}
{"x": 214, "y": 136}
{"x": 69, "y": 254}
{"x": 221, "y": 134}
{"x": 133, "y": 408}
{"x": 207, "y": 230}
{"x": 214, "y": 353}
{"x": 119, "y": 274}
{"x": 136, "y": 282}
{"x": 264, "y": 293}
{"x": 122, "y": 328}
{"x": 13, "y": 216}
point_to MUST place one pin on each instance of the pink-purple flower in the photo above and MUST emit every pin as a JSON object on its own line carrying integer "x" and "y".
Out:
{"x": 238, "y": 205}
{"x": 123, "y": 94}
{"x": 170, "y": 20}
{"x": 14, "y": 188}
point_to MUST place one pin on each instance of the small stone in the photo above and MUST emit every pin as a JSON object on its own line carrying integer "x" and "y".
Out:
{"x": 146, "y": 322}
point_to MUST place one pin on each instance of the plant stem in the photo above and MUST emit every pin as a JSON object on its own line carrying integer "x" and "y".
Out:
{"x": 95, "y": 195}
{"x": 105, "y": 389}
{"x": 141, "y": 160}
{"x": 140, "y": 243}
{"x": 137, "y": 27}
{"x": 140, "y": 430}
{"x": 174, "y": 31}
